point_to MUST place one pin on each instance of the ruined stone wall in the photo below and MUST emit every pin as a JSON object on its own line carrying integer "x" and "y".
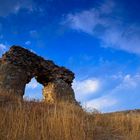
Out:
{"x": 63, "y": 90}
{"x": 18, "y": 66}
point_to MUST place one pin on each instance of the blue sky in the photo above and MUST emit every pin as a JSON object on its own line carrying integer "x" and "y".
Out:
{"x": 99, "y": 40}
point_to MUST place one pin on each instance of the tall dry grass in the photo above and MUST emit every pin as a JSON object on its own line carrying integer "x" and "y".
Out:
{"x": 64, "y": 121}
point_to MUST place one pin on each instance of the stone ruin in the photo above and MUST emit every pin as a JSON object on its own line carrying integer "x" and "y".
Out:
{"x": 18, "y": 66}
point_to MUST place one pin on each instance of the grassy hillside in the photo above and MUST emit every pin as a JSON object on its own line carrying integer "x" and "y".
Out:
{"x": 63, "y": 121}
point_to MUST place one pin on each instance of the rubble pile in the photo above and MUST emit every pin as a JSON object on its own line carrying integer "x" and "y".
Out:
{"x": 19, "y": 65}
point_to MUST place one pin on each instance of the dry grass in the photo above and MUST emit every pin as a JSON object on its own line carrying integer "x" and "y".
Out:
{"x": 64, "y": 121}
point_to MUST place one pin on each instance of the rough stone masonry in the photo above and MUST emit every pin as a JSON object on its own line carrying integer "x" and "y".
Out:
{"x": 18, "y": 66}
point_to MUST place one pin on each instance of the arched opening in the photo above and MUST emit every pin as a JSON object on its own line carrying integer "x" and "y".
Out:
{"x": 33, "y": 90}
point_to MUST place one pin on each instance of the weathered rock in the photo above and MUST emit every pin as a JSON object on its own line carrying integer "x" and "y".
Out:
{"x": 18, "y": 66}
{"x": 58, "y": 90}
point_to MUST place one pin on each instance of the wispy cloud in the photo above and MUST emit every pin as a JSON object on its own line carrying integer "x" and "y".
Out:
{"x": 7, "y": 6}
{"x": 2, "y": 47}
{"x": 27, "y": 42}
{"x": 33, "y": 84}
{"x": 101, "y": 103}
{"x": 105, "y": 23}
{"x": 33, "y": 90}
{"x": 112, "y": 93}
{"x": 129, "y": 84}
{"x": 84, "y": 88}
{"x": 34, "y": 34}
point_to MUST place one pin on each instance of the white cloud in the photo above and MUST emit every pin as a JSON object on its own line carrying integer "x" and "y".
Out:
{"x": 88, "y": 20}
{"x": 111, "y": 29}
{"x": 33, "y": 90}
{"x": 84, "y": 21}
{"x": 129, "y": 83}
{"x": 33, "y": 84}
{"x": 123, "y": 96}
{"x": 127, "y": 38}
{"x": 118, "y": 92}
{"x": 85, "y": 88}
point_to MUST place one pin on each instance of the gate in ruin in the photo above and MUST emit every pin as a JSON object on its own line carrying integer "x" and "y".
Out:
{"x": 18, "y": 66}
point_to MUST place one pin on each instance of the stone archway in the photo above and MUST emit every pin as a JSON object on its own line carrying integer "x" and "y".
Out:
{"x": 18, "y": 66}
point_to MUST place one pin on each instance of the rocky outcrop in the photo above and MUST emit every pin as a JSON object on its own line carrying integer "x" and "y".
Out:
{"x": 18, "y": 66}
